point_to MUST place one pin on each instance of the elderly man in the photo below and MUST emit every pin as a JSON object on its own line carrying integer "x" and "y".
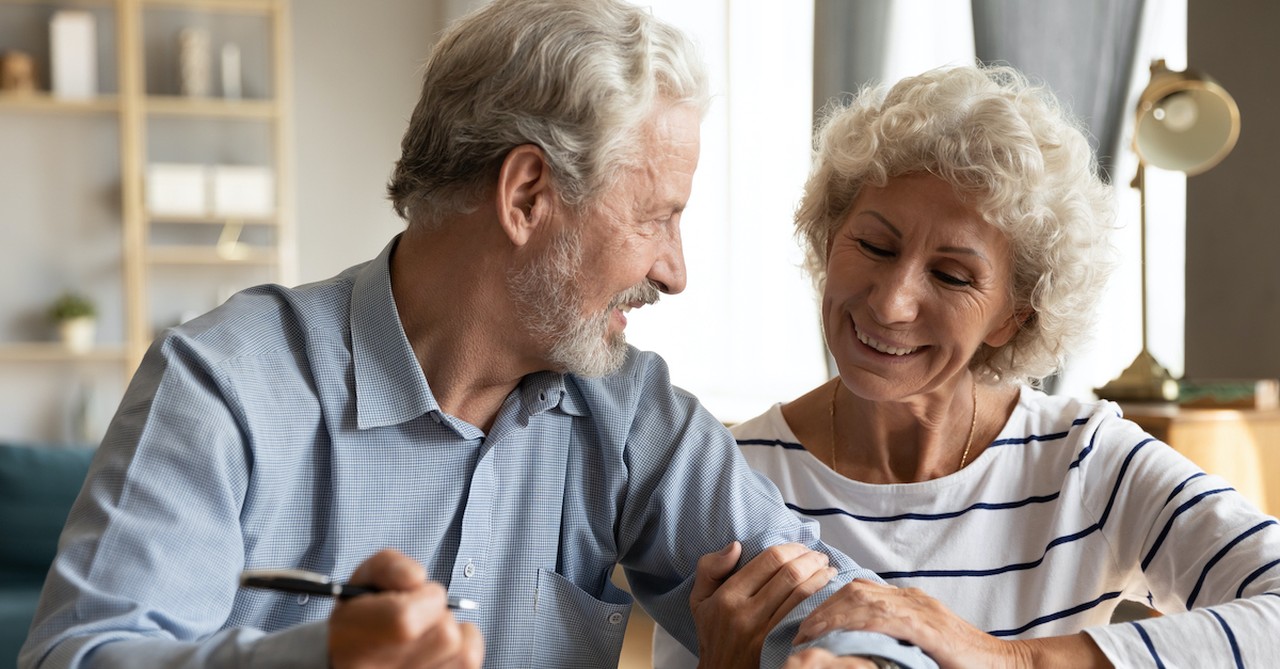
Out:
{"x": 466, "y": 401}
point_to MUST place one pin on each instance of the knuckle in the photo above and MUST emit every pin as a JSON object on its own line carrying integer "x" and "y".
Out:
{"x": 400, "y": 629}
{"x": 793, "y": 574}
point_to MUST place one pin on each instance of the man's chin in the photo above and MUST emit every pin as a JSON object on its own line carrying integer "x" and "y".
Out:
{"x": 602, "y": 361}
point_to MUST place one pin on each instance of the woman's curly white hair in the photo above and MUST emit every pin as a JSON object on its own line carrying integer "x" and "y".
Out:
{"x": 1006, "y": 146}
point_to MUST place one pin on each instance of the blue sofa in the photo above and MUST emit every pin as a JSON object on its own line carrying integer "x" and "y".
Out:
{"x": 37, "y": 486}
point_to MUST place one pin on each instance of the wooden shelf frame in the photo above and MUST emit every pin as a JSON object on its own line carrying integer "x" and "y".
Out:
{"x": 132, "y": 107}
{"x": 141, "y": 257}
{"x": 43, "y": 102}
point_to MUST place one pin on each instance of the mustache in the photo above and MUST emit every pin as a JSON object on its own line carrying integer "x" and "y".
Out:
{"x": 645, "y": 292}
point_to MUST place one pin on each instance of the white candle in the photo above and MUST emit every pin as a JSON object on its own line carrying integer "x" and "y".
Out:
{"x": 231, "y": 71}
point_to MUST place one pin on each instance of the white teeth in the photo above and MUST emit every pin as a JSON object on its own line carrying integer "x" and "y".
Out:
{"x": 884, "y": 348}
{"x": 625, "y": 308}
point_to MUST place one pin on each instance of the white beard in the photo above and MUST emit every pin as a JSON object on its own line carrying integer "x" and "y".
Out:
{"x": 549, "y": 304}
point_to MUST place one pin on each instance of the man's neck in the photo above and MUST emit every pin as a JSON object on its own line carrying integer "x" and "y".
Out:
{"x": 449, "y": 290}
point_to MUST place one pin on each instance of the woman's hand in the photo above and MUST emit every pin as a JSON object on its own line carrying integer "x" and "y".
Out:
{"x": 817, "y": 658}
{"x": 911, "y": 615}
{"x": 734, "y": 613}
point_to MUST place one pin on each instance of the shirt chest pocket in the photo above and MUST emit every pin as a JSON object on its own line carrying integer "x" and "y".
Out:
{"x": 574, "y": 629}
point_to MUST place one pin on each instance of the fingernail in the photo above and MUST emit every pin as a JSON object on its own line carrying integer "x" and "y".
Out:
{"x": 726, "y": 549}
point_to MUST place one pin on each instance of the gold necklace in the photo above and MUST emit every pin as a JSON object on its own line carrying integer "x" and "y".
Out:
{"x": 968, "y": 443}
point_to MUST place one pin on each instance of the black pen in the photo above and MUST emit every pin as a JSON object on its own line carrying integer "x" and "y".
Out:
{"x": 305, "y": 582}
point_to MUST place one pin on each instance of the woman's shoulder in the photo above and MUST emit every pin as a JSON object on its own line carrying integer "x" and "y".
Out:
{"x": 770, "y": 445}
{"x": 1038, "y": 416}
{"x": 1093, "y": 434}
{"x": 1055, "y": 431}
{"x": 768, "y": 426}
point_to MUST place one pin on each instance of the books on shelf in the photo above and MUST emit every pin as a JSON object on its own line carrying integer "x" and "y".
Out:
{"x": 1229, "y": 393}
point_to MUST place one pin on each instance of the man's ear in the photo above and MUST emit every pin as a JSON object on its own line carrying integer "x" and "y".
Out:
{"x": 524, "y": 195}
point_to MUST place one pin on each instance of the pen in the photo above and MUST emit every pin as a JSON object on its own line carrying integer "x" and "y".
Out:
{"x": 306, "y": 582}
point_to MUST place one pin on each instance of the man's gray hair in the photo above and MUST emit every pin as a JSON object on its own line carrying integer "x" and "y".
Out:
{"x": 577, "y": 78}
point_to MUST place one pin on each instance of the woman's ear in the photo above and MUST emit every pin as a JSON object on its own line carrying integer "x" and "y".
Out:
{"x": 524, "y": 195}
{"x": 1005, "y": 332}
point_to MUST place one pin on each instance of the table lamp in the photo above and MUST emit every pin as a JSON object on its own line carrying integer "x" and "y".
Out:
{"x": 1186, "y": 122}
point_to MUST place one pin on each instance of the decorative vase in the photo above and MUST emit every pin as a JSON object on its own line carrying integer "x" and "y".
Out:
{"x": 194, "y": 72}
{"x": 78, "y": 333}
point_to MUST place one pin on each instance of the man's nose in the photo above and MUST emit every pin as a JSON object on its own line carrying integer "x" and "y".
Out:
{"x": 668, "y": 271}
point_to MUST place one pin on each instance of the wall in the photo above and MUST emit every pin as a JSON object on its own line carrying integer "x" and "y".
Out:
{"x": 356, "y": 79}
{"x": 1233, "y": 277}
{"x": 355, "y": 69}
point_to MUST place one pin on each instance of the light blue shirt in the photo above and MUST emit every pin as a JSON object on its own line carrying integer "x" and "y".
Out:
{"x": 295, "y": 428}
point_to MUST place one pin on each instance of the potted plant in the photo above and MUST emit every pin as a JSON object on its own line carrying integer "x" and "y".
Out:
{"x": 76, "y": 319}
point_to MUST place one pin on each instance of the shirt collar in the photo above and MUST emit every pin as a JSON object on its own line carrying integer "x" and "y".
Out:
{"x": 390, "y": 386}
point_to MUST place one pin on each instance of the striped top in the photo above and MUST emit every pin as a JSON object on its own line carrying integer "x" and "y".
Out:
{"x": 1071, "y": 510}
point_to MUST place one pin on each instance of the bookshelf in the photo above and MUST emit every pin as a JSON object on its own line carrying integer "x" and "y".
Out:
{"x": 89, "y": 228}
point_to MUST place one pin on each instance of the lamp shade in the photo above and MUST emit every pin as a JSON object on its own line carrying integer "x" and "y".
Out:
{"x": 1185, "y": 121}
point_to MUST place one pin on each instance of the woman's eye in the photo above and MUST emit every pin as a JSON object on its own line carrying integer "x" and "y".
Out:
{"x": 950, "y": 279}
{"x": 875, "y": 250}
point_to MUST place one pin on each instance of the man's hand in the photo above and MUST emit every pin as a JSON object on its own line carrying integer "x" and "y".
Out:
{"x": 408, "y": 624}
{"x": 734, "y": 614}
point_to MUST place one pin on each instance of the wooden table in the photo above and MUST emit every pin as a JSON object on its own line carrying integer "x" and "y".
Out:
{"x": 1240, "y": 445}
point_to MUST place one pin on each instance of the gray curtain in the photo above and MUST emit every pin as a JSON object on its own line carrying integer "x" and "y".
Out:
{"x": 849, "y": 40}
{"x": 1082, "y": 49}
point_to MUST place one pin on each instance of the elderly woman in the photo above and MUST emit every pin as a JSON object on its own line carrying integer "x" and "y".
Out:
{"x": 957, "y": 229}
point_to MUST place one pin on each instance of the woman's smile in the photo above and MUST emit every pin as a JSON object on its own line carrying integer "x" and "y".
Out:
{"x": 882, "y": 347}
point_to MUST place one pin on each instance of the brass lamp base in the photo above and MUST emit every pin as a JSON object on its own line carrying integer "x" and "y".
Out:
{"x": 1144, "y": 380}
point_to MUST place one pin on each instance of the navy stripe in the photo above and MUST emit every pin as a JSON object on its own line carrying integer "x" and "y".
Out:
{"x": 1225, "y": 549}
{"x": 1168, "y": 524}
{"x": 1084, "y": 454}
{"x": 944, "y": 573}
{"x": 979, "y": 506}
{"x": 1151, "y": 648}
{"x": 1254, "y": 576}
{"x": 1115, "y": 490}
{"x": 1231, "y": 638}
{"x": 940, "y": 573}
{"x": 1181, "y": 486}
{"x": 1056, "y": 616}
{"x": 771, "y": 442}
{"x": 1038, "y": 437}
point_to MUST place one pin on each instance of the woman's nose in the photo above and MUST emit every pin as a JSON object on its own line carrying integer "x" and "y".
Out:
{"x": 895, "y": 297}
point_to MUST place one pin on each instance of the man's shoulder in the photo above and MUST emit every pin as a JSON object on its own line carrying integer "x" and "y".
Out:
{"x": 641, "y": 385}
{"x": 641, "y": 372}
{"x": 268, "y": 318}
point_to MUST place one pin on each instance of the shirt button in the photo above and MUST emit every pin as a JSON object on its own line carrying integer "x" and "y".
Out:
{"x": 469, "y": 570}
{"x": 615, "y": 618}
{"x": 542, "y": 397}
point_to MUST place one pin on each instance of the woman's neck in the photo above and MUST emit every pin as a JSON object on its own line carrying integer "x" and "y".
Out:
{"x": 899, "y": 442}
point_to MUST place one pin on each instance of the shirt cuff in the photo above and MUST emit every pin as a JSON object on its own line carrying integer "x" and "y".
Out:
{"x": 842, "y": 642}
{"x": 302, "y": 646}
